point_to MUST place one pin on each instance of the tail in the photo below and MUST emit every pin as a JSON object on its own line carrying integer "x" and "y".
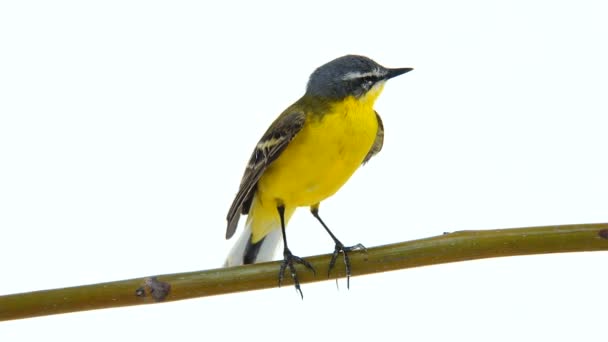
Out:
{"x": 247, "y": 252}
{"x": 260, "y": 238}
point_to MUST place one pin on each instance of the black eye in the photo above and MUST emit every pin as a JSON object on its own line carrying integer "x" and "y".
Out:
{"x": 367, "y": 82}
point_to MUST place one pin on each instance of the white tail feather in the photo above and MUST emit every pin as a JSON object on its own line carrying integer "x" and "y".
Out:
{"x": 266, "y": 252}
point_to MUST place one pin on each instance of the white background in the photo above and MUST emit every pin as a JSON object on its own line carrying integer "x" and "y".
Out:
{"x": 125, "y": 127}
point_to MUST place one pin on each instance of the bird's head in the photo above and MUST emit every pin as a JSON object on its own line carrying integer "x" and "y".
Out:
{"x": 350, "y": 75}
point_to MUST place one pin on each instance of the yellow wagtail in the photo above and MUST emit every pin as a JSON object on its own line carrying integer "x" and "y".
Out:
{"x": 306, "y": 155}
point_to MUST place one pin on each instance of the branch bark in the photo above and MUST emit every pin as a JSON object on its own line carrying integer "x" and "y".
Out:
{"x": 451, "y": 247}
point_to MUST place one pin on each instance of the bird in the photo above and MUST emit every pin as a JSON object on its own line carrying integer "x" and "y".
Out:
{"x": 306, "y": 155}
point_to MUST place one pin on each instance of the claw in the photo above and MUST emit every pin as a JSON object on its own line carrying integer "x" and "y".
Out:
{"x": 340, "y": 248}
{"x": 289, "y": 260}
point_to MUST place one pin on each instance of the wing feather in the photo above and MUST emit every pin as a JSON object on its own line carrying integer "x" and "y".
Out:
{"x": 377, "y": 146}
{"x": 270, "y": 146}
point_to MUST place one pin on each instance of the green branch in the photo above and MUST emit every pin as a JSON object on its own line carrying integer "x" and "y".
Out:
{"x": 457, "y": 246}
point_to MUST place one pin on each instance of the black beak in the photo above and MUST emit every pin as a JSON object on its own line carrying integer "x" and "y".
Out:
{"x": 396, "y": 72}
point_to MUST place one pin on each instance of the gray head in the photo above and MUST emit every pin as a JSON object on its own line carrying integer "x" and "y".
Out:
{"x": 349, "y": 75}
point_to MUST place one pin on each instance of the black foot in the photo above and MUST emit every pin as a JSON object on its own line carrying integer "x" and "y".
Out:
{"x": 290, "y": 260}
{"x": 340, "y": 248}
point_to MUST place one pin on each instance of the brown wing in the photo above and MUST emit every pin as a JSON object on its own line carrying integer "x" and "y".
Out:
{"x": 274, "y": 141}
{"x": 377, "y": 146}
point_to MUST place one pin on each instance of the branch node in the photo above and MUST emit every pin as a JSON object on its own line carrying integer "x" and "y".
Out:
{"x": 157, "y": 289}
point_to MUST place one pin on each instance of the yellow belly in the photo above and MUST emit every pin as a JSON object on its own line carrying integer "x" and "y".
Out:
{"x": 321, "y": 158}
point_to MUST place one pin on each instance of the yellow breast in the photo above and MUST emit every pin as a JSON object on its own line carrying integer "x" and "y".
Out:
{"x": 322, "y": 156}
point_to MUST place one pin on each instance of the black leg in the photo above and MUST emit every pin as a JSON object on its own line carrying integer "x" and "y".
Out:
{"x": 340, "y": 248}
{"x": 289, "y": 260}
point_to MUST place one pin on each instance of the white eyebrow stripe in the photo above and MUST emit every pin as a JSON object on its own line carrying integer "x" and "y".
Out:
{"x": 356, "y": 74}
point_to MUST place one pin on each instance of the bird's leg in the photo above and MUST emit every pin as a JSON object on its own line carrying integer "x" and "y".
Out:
{"x": 289, "y": 260}
{"x": 340, "y": 248}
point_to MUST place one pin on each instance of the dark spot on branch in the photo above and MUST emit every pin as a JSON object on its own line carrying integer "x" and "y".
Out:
{"x": 157, "y": 289}
{"x": 140, "y": 292}
{"x": 603, "y": 234}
